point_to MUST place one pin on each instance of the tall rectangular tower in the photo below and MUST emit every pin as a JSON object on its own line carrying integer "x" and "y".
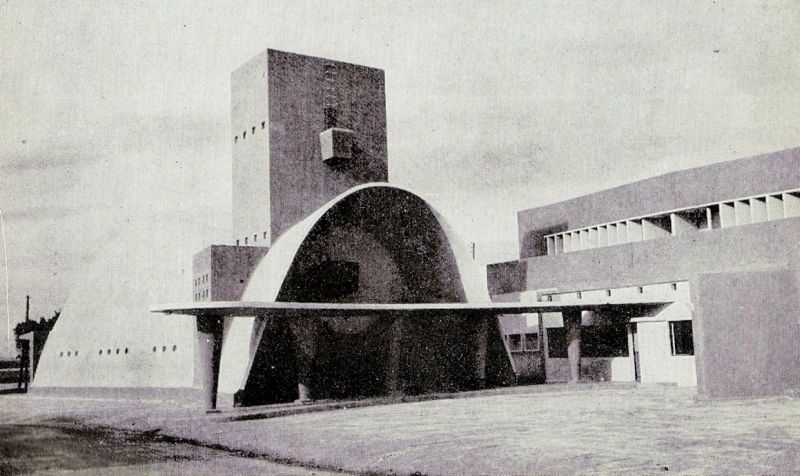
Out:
{"x": 305, "y": 129}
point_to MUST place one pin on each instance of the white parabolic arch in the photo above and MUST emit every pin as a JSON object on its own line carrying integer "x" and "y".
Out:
{"x": 242, "y": 335}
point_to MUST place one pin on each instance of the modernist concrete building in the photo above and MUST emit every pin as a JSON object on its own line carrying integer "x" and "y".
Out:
{"x": 337, "y": 284}
{"x": 721, "y": 243}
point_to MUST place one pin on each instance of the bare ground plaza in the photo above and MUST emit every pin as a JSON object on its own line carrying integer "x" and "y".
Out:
{"x": 560, "y": 429}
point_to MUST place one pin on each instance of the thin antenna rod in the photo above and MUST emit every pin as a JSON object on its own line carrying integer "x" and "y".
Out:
{"x": 8, "y": 308}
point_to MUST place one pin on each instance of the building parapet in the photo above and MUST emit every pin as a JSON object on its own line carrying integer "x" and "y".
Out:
{"x": 708, "y": 216}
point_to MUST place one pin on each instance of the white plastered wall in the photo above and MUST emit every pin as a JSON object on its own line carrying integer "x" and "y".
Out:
{"x": 107, "y": 312}
{"x": 656, "y": 362}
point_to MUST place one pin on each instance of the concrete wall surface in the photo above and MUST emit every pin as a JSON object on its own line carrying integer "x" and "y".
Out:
{"x": 656, "y": 362}
{"x": 682, "y": 189}
{"x": 674, "y": 258}
{"x": 250, "y": 151}
{"x": 106, "y": 337}
{"x": 593, "y": 369}
{"x": 746, "y": 332}
{"x": 280, "y": 103}
{"x": 301, "y": 88}
{"x": 228, "y": 269}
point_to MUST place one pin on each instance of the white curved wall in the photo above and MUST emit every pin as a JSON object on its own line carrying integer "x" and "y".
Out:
{"x": 108, "y": 310}
{"x": 242, "y": 335}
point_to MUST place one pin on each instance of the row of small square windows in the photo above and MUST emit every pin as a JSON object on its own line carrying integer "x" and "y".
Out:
{"x": 125, "y": 351}
{"x": 255, "y": 238}
{"x": 579, "y": 294}
{"x": 252, "y": 130}
{"x": 202, "y": 295}
{"x": 201, "y": 279}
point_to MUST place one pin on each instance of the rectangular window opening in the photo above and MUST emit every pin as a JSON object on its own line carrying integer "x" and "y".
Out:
{"x": 758, "y": 209}
{"x": 715, "y": 220}
{"x": 532, "y": 342}
{"x": 656, "y": 227}
{"x": 515, "y": 342}
{"x": 681, "y": 338}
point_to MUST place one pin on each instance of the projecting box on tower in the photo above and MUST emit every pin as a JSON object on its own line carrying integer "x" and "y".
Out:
{"x": 336, "y": 145}
{"x": 305, "y": 130}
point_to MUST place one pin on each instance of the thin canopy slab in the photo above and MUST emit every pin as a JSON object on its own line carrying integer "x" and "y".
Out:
{"x": 217, "y": 309}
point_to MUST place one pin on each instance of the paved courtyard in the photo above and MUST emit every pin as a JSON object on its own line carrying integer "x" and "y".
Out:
{"x": 566, "y": 430}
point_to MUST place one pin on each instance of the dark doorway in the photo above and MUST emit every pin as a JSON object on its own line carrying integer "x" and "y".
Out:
{"x": 351, "y": 365}
{"x": 273, "y": 377}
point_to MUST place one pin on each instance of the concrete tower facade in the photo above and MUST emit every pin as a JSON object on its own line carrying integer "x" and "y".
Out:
{"x": 305, "y": 130}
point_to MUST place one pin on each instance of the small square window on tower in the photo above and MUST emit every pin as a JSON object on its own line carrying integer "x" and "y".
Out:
{"x": 336, "y": 145}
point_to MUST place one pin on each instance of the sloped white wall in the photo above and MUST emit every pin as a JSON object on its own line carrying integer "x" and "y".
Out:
{"x": 108, "y": 310}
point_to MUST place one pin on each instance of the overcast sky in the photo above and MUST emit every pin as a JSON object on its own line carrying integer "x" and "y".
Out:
{"x": 113, "y": 112}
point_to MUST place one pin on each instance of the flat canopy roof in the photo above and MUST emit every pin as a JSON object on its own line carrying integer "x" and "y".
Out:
{"x": 317, "y": 309}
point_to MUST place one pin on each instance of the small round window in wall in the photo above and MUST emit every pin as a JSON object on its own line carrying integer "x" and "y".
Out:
{"x": 108, "y": 351}
{"x": 69, "y": 353}
{"x": 174, "y": 348}
{"x": 100, "y": 352}
{"x": 117, "y": 351}
{"x": 126, "y": 350}
{"x": 61, "y": 354}
{"x": 154, "y": 348}
{"x": 164, "y": 349}
{"x": 76, "y": 353}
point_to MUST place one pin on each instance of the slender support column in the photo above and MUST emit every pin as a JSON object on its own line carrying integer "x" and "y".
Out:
{"x": 543, "y": 346}
{"x": 304, "y": 331}
{"x": 481, "y": 336}
{"x": 572, "y": 323}
{"x": 213, "y": 327}
{"x": 631, "y": 353}
{"x": 393, "y": 385}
